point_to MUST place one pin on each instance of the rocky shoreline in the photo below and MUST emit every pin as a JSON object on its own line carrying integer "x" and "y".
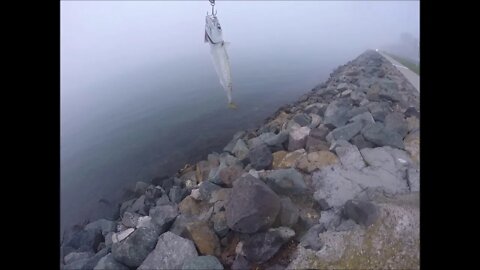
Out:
{"x": 330, "y": 181}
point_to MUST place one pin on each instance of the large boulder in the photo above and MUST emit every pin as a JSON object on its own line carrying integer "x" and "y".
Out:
{"x": 336, "y": 114}
{"x": 252, "y": 206}
{"x": 298, "y": 138}
{"x": 260, "y": 157}
{"x": 170, "y": 253}
{"x": 289, "y": 213}
{"x": 286, "y": 181}
{"x": 202, "y": 263}
{"x": 396, "y": 122}
{"x": 109, "y": 263}
{"x": 204, "y": 238}
{"x": 163, "y": 216}
{"x": 260, "y": 247}
{"x": 135, "y": 248}
{"x": 378, "y": 134}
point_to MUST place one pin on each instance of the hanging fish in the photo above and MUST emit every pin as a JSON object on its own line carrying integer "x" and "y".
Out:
{"x": 213, "y": 35}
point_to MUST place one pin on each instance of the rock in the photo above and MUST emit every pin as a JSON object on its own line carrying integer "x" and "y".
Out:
{"x": 356, "y": 111}
{"x": 411, "y": 111}
{"x": 171, "y": 252}
{"x": 74, "y": 256}
{"x": 363, "y": 118}
{"x": 202, "y": 263}
{"x": 362, "y": 212}
{"x": 357, "y": 96}
{"x": 389, "y": 91}
{"x": 138, "y": 206}
{"x": 291, "y": 159}
{"x": 413, "y": 124}
{"x": 360, "y": 142}
{"x": 412, "y": 145}
{"x": 179, "y": 226}
{"x": 204, "y": 238}
{"x": 177, "y": 194}
{"x": 319, "y": 133}
{"x": 206, "y": 188}
{"x": 347, "y": 132}
{"x": 277, "y": 158}
{"x": 346, "y": 225}
{"x": 316, "y": 120}
{"x": 167, "y": 184}
{"x": 376, "y": 133}
{"x": 109, "y": 240}
{"x": 308, "y": 217}
{"x": 396, "y": 123}
{"x": 311, "y": 239}
{"x": 140, "y": 188}
{"x": 163, "y": 216}
{"x": 316, "y": 160}
{"x": 379, "y": 158}
{"x": 109, "y": 263}
{"x": 163, "y": 200}
{"x": 336, "y": 113}
{"x": 105, "y": 226}
{"x": 253, "y": 207}
{"x": 130, "y": 219}
{"x": 213, "y": 160}
{"x": 413, "y": 178}
{"x": 298, "y": 138}
{"x": 85, "y": 240}
{"x": 134, "y": 249}
{"x": 220, "y": 226}
{"x": 117, "y": 237}
{"x": 240, "y": 150}
{"x": 192, "y": 207}
{"x": 228, "y": 160}
{"x": 379, "y": 110}
{"x": 196, "y": 194}
{"x": 229, "y": 174}
{"x": 260, "y": 157}
{"x": 260, "y": 247}
{"x": 229, "y": 147}
{"x": 342, "y": 87}
{"x": 313, "y": 144}
{"x": 288, "y": 213}
{"x": 241, "y": 263}
{"x": 202, "y": 170}
{"x": 221, "y": 194}
{"x": 78, "y": 264}
{"x": 302, "y": 119}
{"x": 349, "y": 156}
{"x": 286, "y": 181}
{"x": 145, "y": 221}
{"x": 346, "y": 93}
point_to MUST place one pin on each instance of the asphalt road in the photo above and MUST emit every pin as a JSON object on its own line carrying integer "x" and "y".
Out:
{"x": 411, "y": 76}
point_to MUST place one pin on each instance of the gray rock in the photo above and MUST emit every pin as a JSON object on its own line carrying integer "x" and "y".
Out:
{"x": 346, "y": 225}
{"x": 413, "y": 179}
{"x": 163, "y": 200}
{"x": 313, "y": 144}
{"x": 206, "y": 188}
{"x": 109, "y": 263}
{"x": 389, "y": 91}
{"x": 240, "y": 150}
{"x": 362, "y": 212}
{"x": 260, "y": 247}
{"x": 302, "y": 119}
{"x": 288, "y": 213}
{"x": 92, "y": 261}
{"x": 179, "y": 226}
{"x": 85, "y": 240}
{"x": 134, "y": 249}
{"x": 220, "y": 226}
{"x": 379, "y": 110}
{"x": 356, "y": 111}
{"x": 311, "y": 240}
{"x": 126, "y": 205}
{"x": 78, "y": 264}
{"x": 231, "y": 144}
{"x": 202, "y": 263}
{"x": 379, "y": 157}
{"x": 286, "y": 181}
{"x": 342, "y": 86}
{"x": 337, "y": 113}
{"x": 140, "y": 188}
{"x": 252, "y": 207}
{"x": 152, "y": 193}
{"x": 177, "y": 194}
{"x": 395, "y": 122}
{"x": 241, "y": 263}
{"x": 363, "y": 118}
{"x": 138, "y": 206}
{"x": 163, "y": 216}
{"x": 347, "y": 132}
{"x": 130, "y": 219}
{"x": 104, "y": 225}
{"x": 298, "y": 138}
{"x": 360, "y": 142}
{"x": 377, "y": 134}
{"x": 171, "y": 252}
{"x": 319, "y": 133}
{"x": 349, "y": 156}
{"x": 411, "y": 111}
{"x": 260, "y": 157}
{"x": 75, "y": 256}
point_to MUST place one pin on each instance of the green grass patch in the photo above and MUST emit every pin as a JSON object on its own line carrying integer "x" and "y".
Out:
{"x": 407, "y": 63}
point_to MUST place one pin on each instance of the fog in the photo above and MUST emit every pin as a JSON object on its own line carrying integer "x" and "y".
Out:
{"x": 134, "y": 70}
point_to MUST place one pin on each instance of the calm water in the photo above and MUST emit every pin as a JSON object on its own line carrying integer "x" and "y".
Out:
{"x": 140, "y": 97}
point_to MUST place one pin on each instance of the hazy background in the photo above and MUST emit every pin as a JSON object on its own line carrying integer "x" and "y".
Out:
{"x": 140, "y": 97}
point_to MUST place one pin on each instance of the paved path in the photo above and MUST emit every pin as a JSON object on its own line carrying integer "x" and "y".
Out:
{"x": 411, "y": 76}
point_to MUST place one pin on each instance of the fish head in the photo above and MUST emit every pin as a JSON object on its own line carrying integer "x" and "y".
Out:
{"x": 213, "y": 30}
